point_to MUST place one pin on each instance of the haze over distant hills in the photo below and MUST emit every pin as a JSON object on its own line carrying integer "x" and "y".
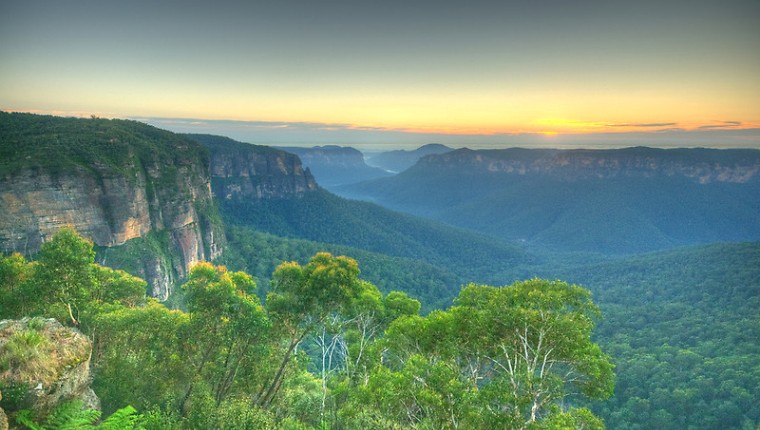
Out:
{"x": 610, "y": 201}
{"x": 334, "y": 165}
{"x": 400, "y": 160}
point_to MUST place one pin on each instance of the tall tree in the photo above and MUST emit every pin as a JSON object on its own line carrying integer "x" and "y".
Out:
{"x": 227, "y": 326}
{"x": 302, "y": 298}
{"x": 517, "y": 353}
{"x": 64, "y": 274}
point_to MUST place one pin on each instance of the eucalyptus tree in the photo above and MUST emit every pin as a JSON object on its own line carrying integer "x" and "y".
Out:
{"x": 228, "y": 328}
{"x": 301, "y": 301}
{"x": 511, "y": 357}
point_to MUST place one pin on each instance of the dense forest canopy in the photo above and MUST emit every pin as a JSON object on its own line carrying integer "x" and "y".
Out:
{"x": 324, "y": 349}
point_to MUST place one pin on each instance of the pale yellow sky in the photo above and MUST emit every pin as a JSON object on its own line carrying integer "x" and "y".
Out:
{"x": 485, "y": 68}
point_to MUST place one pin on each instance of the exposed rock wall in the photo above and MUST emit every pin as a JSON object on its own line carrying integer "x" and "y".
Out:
{"x": 156, "y": 182}
{"x": 700, "y": 165}
{"x": 242, "y": 171}
{"x": 259, "y": 175}
{"x": 3, "y": 417}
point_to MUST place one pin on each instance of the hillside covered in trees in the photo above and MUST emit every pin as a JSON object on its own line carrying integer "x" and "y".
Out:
{"x": 325, "y": 349}
{"x": 621, "y": 201}
{"x": 419, "y": 338}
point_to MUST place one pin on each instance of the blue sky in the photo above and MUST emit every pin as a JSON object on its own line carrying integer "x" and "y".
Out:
{"x": 577, "y": 73}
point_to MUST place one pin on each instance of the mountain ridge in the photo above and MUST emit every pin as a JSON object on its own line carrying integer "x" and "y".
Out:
{"x": 609, "y": 201}
{"x": 399, "y": 160}
{"x": 701, "y": 164}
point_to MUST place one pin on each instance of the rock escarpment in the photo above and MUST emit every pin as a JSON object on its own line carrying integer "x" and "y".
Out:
{"x": 113, "y": 181}
{"x": 699, "y": 165}
{"x": 245, "y": 172}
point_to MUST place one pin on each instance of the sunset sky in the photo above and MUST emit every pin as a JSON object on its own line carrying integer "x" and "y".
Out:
{"x": 663, "y": 73}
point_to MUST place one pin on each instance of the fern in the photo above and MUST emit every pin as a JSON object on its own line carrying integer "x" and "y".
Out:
{"x": 71, "y": 416}
{"x": 123, "y": 419}
{"x": 24, "y": 417}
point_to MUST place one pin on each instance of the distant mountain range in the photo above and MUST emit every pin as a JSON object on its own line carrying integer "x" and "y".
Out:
{"x": 400, "y": 160}
{"x": 610, "y": 201}
{"x": 336, "y": 165}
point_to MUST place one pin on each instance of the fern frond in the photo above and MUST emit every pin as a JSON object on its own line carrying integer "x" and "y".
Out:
{"x": 123, "y": 419}
{"x": 71, "y": 416}
{"x": 24, "y": 417}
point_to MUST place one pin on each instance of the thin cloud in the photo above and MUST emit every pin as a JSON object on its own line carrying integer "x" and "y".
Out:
{"x": 645, "y": 125}
{"x": 723, "y": 124}
{"x": 283, "y": 133}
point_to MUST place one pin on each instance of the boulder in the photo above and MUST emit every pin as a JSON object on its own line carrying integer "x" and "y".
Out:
{"x": 42, "y": 364}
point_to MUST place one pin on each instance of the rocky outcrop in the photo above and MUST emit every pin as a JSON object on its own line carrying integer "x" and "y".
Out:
{"x": 700, "y": 165}
{"x": 113, "y": 181}
{"x": 47, "y": 364}
{"x": 3, "y": 417}
{"x": 243, "y": 172}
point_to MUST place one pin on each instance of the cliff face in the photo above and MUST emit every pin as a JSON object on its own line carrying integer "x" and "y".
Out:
{"x": 244, "y": 172}
{"x": 113, "y": 181}
{"x": 700, "y": 165}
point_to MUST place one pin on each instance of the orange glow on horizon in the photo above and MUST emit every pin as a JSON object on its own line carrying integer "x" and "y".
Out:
{"x": 547, "y": 126}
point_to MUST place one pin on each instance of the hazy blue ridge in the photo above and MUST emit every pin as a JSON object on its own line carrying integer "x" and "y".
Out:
{"x": 616, "y": 201}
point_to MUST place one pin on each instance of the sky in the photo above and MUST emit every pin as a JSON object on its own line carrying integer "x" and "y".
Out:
{"x": 393, "y": 73}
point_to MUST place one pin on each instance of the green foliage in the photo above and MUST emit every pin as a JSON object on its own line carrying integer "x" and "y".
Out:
{"x": 681, "y": 327}
{"x": 228, "y": 325}
{"x": 577, "y": 418}
{"x": 30, "y": 350}
{"x": 72, "y": 416}
{"x": 137, "y": 254}
{"x": 123, "y": 419}
{"x": 14, "y": 300}
{"x": 65, "y": 282}
{"x": 117, "y": 287}
{"x": 64, "y": 273}
{"x": 323, "y": 217}
{"x": 138, "y": 356}
{"x": 62, "y": 145}
{"x": 260, "y": 253}
{"x": 301, "y": 300}
{"x": 501, "y": 357}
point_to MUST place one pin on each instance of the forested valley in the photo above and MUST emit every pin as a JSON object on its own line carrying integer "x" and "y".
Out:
{"x": 288, "y": 307}
{"x": 325, "y": 350}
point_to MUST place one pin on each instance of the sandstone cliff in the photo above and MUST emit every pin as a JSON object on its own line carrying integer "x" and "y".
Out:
{"x": 113, "y": 181}
{"x": 698, "y": 164}
{"x": 240, "y": 171}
